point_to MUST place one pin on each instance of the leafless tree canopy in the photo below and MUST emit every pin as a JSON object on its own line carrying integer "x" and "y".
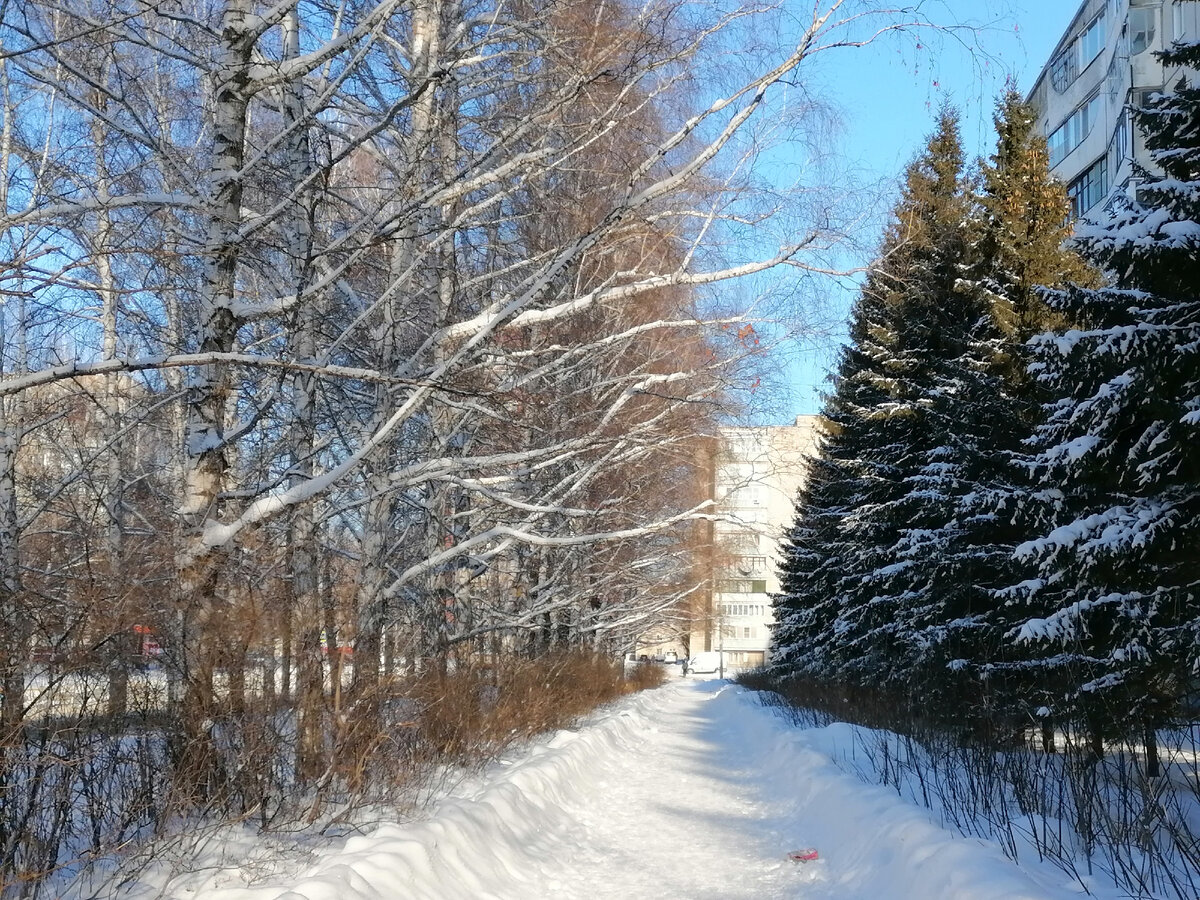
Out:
{"x": 390, "y": 325}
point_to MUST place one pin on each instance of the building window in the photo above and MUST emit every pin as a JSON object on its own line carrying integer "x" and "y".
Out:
{"x": 742, "y": 586}
{"x": 742, "y": 495}
{"x": 1142, "y": 22}
{"x": 1143, "y": 98}
{"x": 1078, "y": 55}
{"x": 1091, "y": 42}
{"x": 1071, "y": 133}
{"x": 1065, "y": 69}
{"x": 747, "y": 632}
{"x": 752, "y": 565}
{"x": 1114, "y": 78}
{"x": 1089, "y": 188}
{"x": 1118, "y": 148}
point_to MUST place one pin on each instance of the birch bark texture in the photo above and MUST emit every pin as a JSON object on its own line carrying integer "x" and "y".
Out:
{"x": 437, "y": 297}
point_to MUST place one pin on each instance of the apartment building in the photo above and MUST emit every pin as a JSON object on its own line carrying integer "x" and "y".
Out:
{"x": 755, "y": 475}
{"x": 1102, "y": 67}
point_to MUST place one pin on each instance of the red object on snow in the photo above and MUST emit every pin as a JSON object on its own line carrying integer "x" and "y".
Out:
{"x": 806, "y": 855}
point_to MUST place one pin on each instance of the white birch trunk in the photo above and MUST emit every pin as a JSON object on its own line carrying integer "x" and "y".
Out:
{"x": 112, "y": 501}
{"x": 440, "y": 521}
{"x": 303, "y": 601}
{"x": 13, "y": 619}
{"x": 206, "y": 453}
{"x": 12, "y": 650}
{"x": 375, "y": 573}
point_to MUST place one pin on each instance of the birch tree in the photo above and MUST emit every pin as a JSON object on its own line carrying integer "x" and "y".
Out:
{"x": 428, "y": 289}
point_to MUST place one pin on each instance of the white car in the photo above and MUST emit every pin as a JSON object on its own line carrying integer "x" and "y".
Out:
{"x": 707, "y": 663}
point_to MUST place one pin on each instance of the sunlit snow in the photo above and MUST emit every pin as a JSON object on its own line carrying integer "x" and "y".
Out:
{"x": 691, "y": 791}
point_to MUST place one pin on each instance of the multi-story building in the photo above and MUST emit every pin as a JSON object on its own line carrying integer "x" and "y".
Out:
{"x": 755, "y": 475}
{"x": 1103, "y": 66}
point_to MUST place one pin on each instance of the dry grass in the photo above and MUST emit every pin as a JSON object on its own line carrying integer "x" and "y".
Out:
{"x": 78, "y": 789}
{"x": 476, "y": 711}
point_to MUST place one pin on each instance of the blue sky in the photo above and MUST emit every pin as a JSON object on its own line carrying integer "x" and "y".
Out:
{"x": 886, "y": 126}
{"x": 887, "y": 95}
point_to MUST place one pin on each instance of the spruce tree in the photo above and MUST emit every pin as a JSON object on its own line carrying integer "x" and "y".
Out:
{"x": 968, "y": 506}
{"x": 909, "y": 518}
{"x": 952, "y": 541}
{"x": 1119, "y": 609}
{"x": 1023, "y": 225}
{"x": 919, "y": 282}
{"x": 841, "y": 608}
{"x": 806, "y": 607}
{"x": 820, "y": 553}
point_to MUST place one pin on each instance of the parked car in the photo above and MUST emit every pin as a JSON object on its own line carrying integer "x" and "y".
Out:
{"x": 706, "y": 663}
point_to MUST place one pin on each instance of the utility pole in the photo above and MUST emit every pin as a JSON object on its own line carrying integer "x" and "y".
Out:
{"x": 721, "y": 647}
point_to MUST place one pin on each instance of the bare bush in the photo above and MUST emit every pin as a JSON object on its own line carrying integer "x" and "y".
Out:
{"x": 342, "y": 348}
{"x": 1089, "y": 814}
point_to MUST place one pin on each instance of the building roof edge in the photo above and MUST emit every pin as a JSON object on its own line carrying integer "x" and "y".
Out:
{"x": 1057, "y": 49}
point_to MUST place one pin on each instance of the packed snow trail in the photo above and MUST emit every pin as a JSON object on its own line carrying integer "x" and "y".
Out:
{"x": 685, "y": 814}
{"x": 693, "y": 791}
{"x": 718, "y": 791}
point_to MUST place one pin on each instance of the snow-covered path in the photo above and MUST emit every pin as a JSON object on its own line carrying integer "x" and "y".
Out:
{"x": 686, "y": 813}
{"x": 714, "y": 793}
{"x": 693, "y": 792}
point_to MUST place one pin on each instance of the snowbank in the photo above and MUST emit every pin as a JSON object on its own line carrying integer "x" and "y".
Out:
{"x": 874, "y": 843}
{"x": 511, "y": 834}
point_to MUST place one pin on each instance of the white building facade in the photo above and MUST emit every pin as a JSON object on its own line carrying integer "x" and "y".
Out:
{"x": 756, "y": 474}
{"x": 1103, "y": 66}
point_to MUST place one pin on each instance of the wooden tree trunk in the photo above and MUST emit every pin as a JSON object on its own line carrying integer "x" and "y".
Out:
{"x": 1153, "y": 763}
{"x": 287, "y": 655}
{"x": 14, "y": 618}
{"x": 1048, "y": 743}
{"x": 118, "y": 647}
{"x": 304, "y": 599}
{"x": 209, "y": 393}
{"x": 405, "y": 263}
{"x": 13, "y": 621}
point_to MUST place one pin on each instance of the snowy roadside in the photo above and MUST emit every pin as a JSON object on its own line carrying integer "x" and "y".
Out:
{"x": 691, "y": 791}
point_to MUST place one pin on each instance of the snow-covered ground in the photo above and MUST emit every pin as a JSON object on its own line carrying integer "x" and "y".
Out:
{"x": 692, "y": 791}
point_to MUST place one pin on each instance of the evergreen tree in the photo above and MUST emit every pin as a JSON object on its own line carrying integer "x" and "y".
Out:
{"x": 967, "y": 509}
{"x": 839, "y": 612}
{"x": 806, "y": 607}
{"x": 1024, "y": 228}
{"x": 820, "y": 553}
{"x": 1023, "y": 224}
{"x": 1116, "y": 606}
{"x": 953, "y": 539}
{"x": 919, "y": 283}
{"x": 908, "y": 521}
